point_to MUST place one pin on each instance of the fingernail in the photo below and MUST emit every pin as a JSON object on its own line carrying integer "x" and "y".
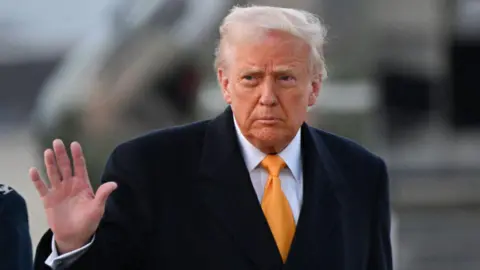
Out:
{"x": 58, "y": 141}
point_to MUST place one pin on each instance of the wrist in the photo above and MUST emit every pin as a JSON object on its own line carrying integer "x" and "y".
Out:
{"x": 69, "y": 246}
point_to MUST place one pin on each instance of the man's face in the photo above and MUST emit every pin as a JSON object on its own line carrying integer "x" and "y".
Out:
{"x": 269, "y": 84}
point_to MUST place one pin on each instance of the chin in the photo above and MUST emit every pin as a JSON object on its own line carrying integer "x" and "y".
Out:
{"x": 269, "y": 135}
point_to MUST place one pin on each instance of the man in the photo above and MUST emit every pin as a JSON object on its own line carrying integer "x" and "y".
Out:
{"x": 15, "y": 240}
{"x": 254, "y": 188}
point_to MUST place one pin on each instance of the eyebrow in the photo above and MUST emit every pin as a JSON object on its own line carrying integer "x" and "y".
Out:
{"x": 279, "y": 69}
{"x": 252, "y": 70}
{"x": 283, "y": 69}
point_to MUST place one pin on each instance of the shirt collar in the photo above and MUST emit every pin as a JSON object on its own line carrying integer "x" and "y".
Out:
{"x": 291, "y": 154}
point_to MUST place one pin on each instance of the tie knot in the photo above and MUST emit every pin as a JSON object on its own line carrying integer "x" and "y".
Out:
{"x": 273, "y": 164}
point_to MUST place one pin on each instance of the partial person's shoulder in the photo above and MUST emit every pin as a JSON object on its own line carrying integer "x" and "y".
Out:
{"x": 10, "y": 195}
{"x": 11, "y": 202}
{"x": 344, "y": 147}
{"x": 5, "y": 190}
{"x": 175, "y": 137}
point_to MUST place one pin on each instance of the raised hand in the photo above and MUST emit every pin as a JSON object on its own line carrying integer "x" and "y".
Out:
{"x": 73, "y": 210}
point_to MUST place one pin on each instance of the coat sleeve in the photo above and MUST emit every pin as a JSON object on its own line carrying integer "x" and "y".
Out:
{"x": 380, "y": 244}
{"x": 121, "y": 238}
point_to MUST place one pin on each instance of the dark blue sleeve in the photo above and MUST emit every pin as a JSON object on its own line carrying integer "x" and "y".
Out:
{"x": 15, "y": 240}
{"x": 381, "y": 249}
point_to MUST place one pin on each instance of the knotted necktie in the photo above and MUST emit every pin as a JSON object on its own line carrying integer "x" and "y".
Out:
{"x": 275, "y": 206}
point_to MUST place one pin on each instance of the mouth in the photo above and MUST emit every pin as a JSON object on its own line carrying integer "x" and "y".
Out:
{"x": 269, "y": 120}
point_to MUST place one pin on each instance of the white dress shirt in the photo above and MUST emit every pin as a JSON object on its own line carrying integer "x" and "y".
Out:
{"x": 291, "y": 178}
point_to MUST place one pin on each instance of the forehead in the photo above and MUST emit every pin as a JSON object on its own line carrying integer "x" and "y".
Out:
{"x": 272, "y": 50}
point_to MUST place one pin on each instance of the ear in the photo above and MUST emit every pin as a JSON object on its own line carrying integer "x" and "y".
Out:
{"x": 316, "y": 84}
{"x": 224, "y": 85}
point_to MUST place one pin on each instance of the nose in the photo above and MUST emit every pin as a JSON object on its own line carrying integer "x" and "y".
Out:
{"x": 268, "y": 96}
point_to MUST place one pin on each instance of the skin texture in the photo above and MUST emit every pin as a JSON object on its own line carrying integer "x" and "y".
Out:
{"x": 73, "y": 210}
{"x": 269, "y": 82}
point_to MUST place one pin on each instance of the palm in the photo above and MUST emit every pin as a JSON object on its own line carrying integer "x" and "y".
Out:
{"x": 73, "y": 210}
{"x": 69, "y": 211}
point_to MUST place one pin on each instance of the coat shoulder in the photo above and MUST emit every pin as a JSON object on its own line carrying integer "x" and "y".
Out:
{"x": 174, "y": 138}
{"x": 343, "y": 147}
{"x": 12, "y": 205}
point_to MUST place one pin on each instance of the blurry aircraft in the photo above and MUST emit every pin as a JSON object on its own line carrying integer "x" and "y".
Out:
{"x": 139, "y": 70}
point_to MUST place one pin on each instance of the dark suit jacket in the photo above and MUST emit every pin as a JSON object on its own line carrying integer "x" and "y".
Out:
{"x": 185, "y": 201}
{"x": 15, "y": 241}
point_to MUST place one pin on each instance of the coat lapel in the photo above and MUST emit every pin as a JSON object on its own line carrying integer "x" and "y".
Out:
{"x": 318, "y": 242}
{"x": 228, "y": 192}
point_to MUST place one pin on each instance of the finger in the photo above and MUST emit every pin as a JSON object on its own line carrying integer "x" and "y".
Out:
{"x": 63, "y": 161}
{"x": 37, "y": 181}
{"x": 103, "y": 192}
{"x": 79, "y": 165}
{"x": 52, "y": 170}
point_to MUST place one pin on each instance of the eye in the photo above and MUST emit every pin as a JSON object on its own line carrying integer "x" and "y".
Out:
{"x": 248, "y": 78}
{"x": 287, "y": 78}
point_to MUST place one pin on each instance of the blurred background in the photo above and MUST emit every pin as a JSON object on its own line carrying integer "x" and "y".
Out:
{"x": 403, "y": 82}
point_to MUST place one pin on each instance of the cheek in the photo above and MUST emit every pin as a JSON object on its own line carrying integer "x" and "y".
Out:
{"x": 246, "y": 96}
{"x": 295, "y": 105}
{"x": 243, "y": 93}
{"x": 295, "y": 98}
{"x": 244, "y": 102}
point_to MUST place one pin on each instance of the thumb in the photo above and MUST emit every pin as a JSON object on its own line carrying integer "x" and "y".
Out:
{"x": 104, "y": 191}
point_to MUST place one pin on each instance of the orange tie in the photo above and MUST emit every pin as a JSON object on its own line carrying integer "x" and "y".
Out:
{"x": 276, "y": 207}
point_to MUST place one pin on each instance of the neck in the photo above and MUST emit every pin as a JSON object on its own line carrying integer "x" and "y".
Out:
{"x": 268, "y": 147}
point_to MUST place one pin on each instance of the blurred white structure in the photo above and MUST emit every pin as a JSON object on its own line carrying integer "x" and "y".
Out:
{"x": 32, "y": 30}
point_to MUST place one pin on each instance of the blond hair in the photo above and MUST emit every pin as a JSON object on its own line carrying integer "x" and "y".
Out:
{"x": 257, "y": 19}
